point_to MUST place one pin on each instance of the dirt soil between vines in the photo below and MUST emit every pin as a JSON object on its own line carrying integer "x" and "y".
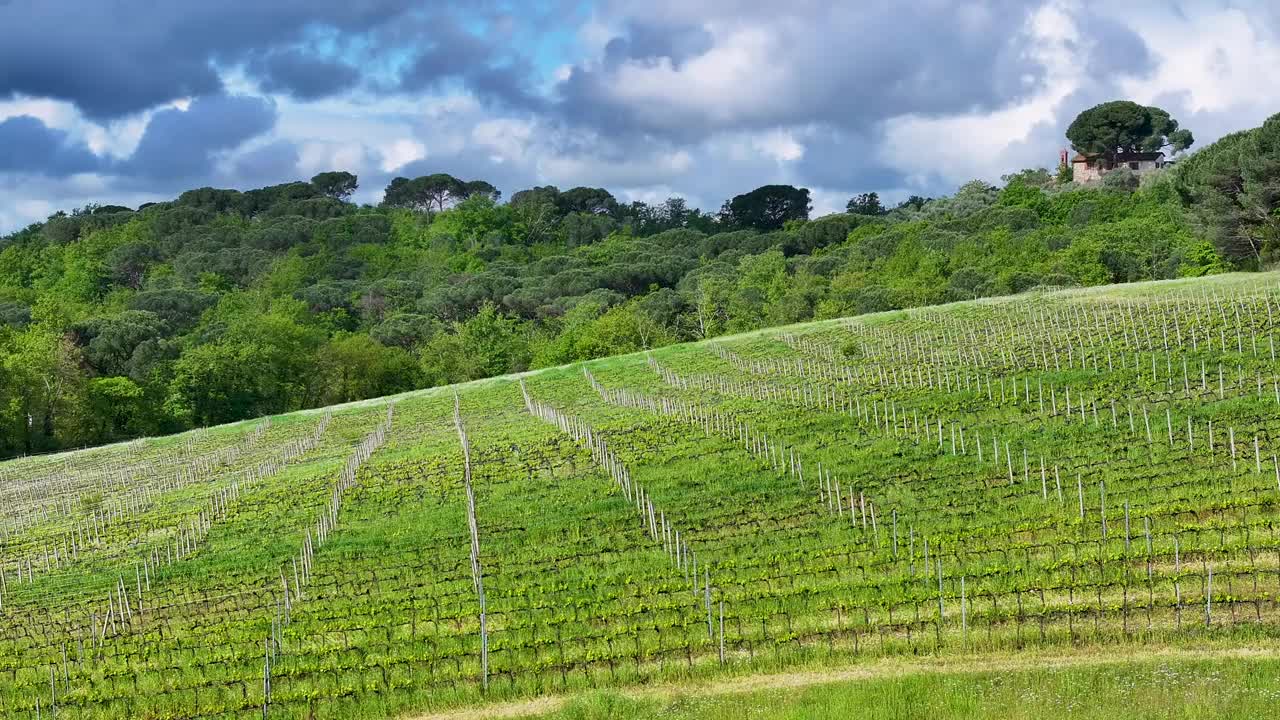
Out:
{"x": 876, "y": 669}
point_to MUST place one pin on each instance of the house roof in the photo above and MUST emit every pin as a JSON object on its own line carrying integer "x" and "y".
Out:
{"x": 1126, "y": 157}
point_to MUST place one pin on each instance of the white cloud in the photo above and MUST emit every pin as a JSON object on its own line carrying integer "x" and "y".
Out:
{"x": 781, "y": 145}
{"x": 957, "y": 148}
{"x": 25, "y": 212}
{"x": 1217, "y": 61}
{"x": 734, "y": 78}
{"x": 116, "y": 139}
{"x": 316, "y": 157}
{"x": 54, "y": 113}
{"x": 826, "y": 202}
{"x": 507, "y": 138}
{"x": 401, "y": 152}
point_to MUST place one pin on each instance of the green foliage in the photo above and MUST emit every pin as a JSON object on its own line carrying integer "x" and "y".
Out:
{"x": 119, "y": 407}
{"x": 766, "y": 208}
{"x": 354, "y": 366}
{"x": 335, "y": 185}
{"x": 865, "y": 204}
{"x": 434, "y": 192}
{"x": 1122, "y": 127}
{"x": 223, "y": 304}
{"x": 485, "y": 344}
{"x": 1233, "y": 187}
{"x": 1121, "y": 180}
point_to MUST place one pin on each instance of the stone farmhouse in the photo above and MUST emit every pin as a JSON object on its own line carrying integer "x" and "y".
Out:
{"x": 1090, "y": 168}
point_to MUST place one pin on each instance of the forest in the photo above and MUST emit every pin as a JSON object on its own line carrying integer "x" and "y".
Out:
{"x": 220, "y": 305}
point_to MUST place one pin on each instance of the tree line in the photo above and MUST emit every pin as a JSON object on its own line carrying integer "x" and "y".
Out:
{"x": 221, "y": 304}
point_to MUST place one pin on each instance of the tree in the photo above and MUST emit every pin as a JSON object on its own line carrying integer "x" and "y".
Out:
{"x": 479, "y": 188}
{"x": 766, "y": 208}
{"x": 1123, "y": 127}
{"x": 536, "y": 195}
{"x": 215, "y": 384}
{"x": 1030, "y": 177}
{"x": 118, "y": 407}
{"x": 484, "y": 345}
{"x": 596, "y": 201}
{"x": 865, "y": 204}
{"x": 44, "y": 384}
{"x": 915, "y": 202}
{"x": 535, "y": 213}
{"x": 355, "y": 367}
{"x": 336, "y": 185}
{"x": 423, "y": 194}
{"x": 256, "y": 202}
{"x": 580, "y": 228}
{"x": 968, "y": 283}
{"x": 474, "y": 221}
{"x": 129, "y": 262}
{"x": 110, "y": 341}
{"x": 434, "y": 192}
{"x": 1233, "y": 187}
{"x": 675, "y": 211}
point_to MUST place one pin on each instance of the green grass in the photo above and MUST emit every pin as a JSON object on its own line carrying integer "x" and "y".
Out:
{"x": 1023, "y": 528}
{"x": 1163, "y": 689}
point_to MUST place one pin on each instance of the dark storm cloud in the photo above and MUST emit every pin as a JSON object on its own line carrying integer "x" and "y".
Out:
{"x": 114, "y": 58}
{"x": 181, "y": 145}
{"x": 27, "y": 145}
{"x": 303, "y": 76}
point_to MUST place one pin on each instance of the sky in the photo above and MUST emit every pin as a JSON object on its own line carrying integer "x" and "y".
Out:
{"x": 135, "y": 101}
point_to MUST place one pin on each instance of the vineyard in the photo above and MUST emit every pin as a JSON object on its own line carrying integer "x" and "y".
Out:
{"x": 1080, "y": 468}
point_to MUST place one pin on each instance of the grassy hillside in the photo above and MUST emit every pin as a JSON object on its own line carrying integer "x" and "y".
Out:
{"x": 1240, "y": 683}
{"x": 1085, "y": 469}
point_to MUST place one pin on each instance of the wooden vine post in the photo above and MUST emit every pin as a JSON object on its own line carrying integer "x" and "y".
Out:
{"x": 477, "y": 573}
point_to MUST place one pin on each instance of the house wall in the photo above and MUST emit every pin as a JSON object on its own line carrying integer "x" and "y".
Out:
{"x": 1082, "y": 173}
{"x": 1143, "y": 166}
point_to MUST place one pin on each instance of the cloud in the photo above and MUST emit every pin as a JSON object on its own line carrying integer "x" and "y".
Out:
{"x": 273, "y": 163}
{"x": 182, "y": 144}
{"x": 1084, "y": 60}
{"x": 479, "y": 62}
{"x": 1217, "y": 66}
{"x": 781, "y": 145}
{"x": 122, "y": 57}
{"x": 400, "y": 152}
{"x": 303, "y": 76}
{"x": 756, "y": 65}
{"x": 699, "y": 98}
{"x": 27, "y": 145}
{"x": 848, "y": 160}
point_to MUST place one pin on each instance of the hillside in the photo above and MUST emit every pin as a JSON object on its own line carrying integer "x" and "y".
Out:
{"x": 1024, "y": 476}
{"x": 222, "y": 305}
